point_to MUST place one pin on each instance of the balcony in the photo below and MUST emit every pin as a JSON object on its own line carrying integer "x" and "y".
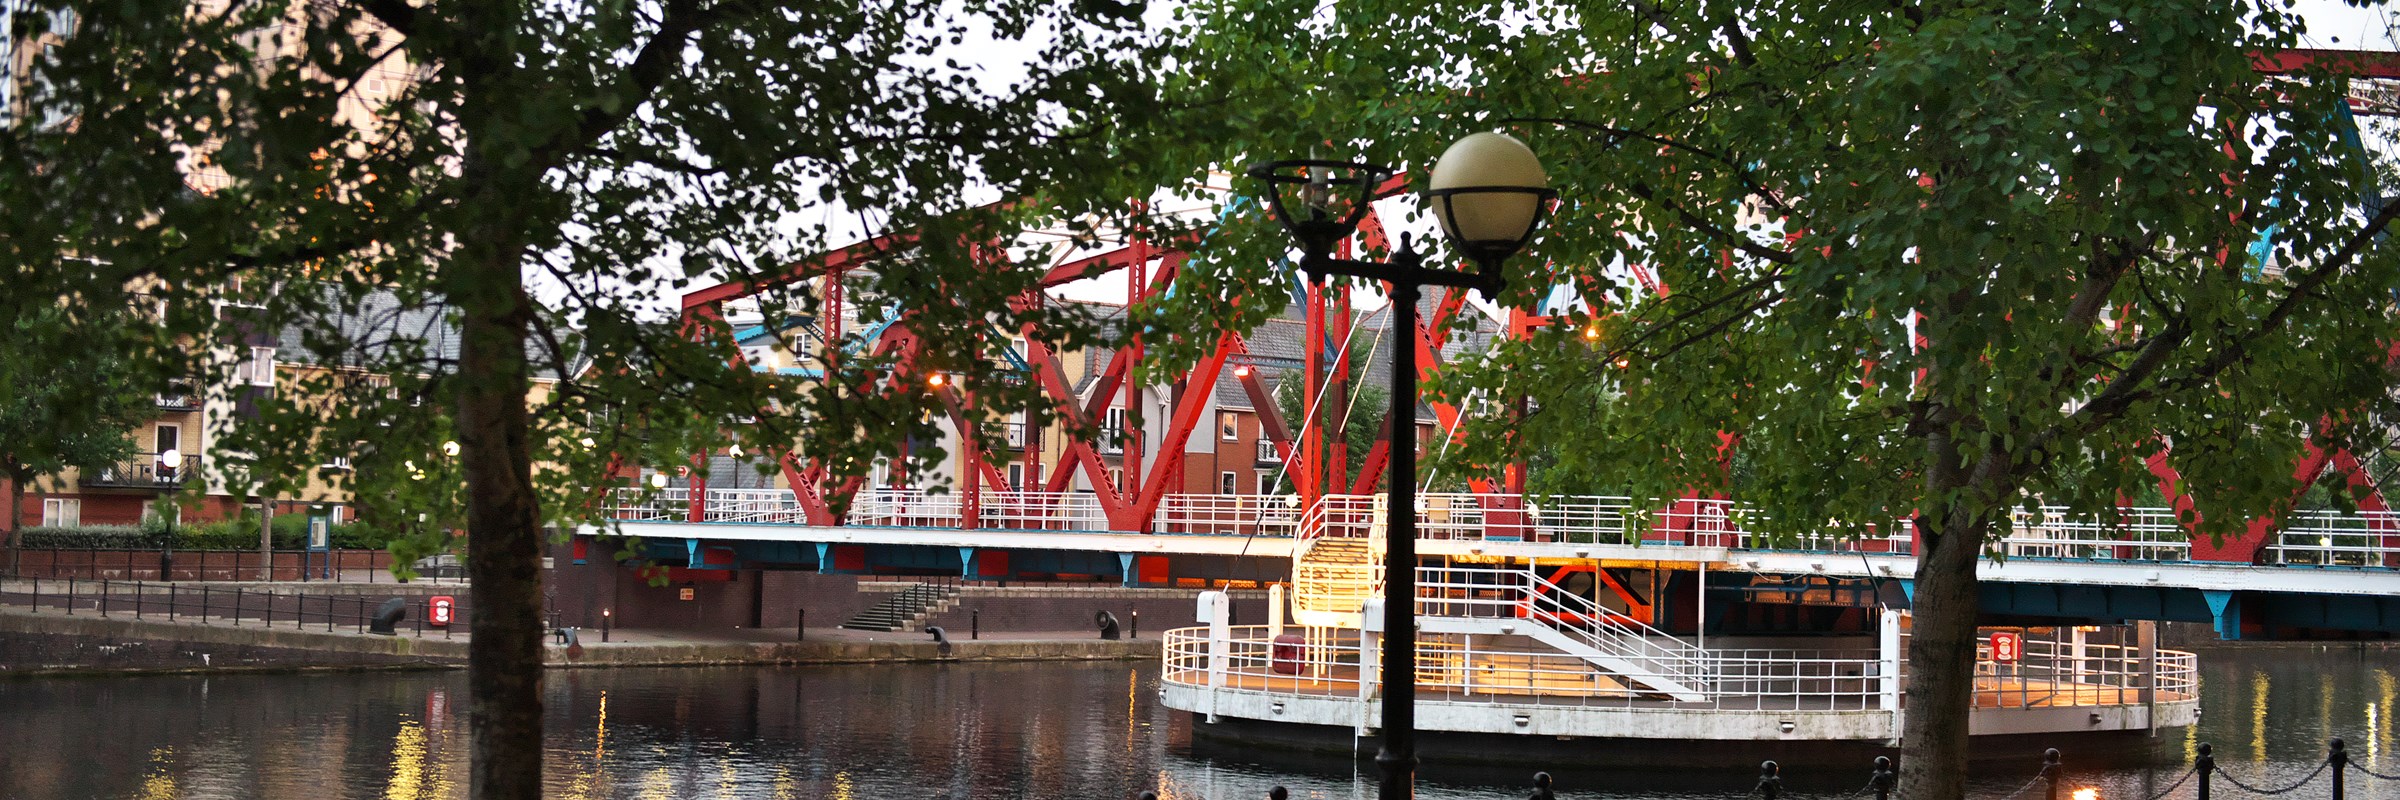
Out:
{"x": 142, "y": 471}
{"x": 1113, "y": 440}
{"x": 1267, "y": 453}
{"x": 1014, "y": 432}
{"x": 179, "y": 400}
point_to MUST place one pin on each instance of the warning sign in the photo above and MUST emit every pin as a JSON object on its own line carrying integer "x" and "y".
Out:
{"x": 684, "y": 593}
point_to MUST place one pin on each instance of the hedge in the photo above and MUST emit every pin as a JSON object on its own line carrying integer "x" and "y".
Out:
{"x": 101, "y": 537}
{"x": 241, "y": 533}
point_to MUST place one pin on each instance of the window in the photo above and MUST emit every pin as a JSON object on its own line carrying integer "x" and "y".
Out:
{"x": 1225, "y": 484}
{"x": 1116, "y": 479}
{"x": 168, "y": 438}
{"x": 1113, "y": 436}
{"x": 338, "y": 464}
{"x": 1229, "y": 426}
{"x": 1266, "y": 481}
{"x": 260, "y": 369}
{"x": 1016, "y": 477}
{"x": 61, "y": 512}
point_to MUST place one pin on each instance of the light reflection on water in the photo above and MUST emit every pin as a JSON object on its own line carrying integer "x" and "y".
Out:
{"x": 983, "y": 731}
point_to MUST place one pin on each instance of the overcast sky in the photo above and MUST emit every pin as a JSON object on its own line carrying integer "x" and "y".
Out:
{"x": 2333, "y": 24}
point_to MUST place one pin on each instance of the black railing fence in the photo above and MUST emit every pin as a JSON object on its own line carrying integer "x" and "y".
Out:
{"x": 231, "y": 605}
{"x": 120, "y": 564}
{"x": 2053, "y": 780}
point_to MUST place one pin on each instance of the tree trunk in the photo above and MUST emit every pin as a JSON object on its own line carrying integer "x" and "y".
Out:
{"x": 504, "y": 657}
{"x": 1941, "y": 661}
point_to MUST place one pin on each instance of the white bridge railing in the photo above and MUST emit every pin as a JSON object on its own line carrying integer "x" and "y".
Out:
{"x": 1457, "y": 668}
{"x": 2313, "y": 538}
{"x": 1518, "y": 593}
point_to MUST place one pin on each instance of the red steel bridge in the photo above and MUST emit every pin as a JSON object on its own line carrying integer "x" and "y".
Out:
{"x": 1118, "y": 510}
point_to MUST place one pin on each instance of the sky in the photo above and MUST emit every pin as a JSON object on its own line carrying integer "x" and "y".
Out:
{"x": 996, "y": 64}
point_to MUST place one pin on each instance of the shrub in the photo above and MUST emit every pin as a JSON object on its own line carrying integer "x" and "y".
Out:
{"x": 105, "y": 537}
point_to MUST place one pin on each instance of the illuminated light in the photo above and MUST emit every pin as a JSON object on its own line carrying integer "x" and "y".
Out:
{"x": 936, "y": 380}
{"x": 2325, "y": 541}
{"x": 1591, "y": 333}
{"x": 658, "y": 480}
{"x": 735, "y": 451}
{"x": 2087, "y": 793}
{"x": 587, "y": 443}
{"x": 1241, "y": 370}
{"x": 1624, "y": 363}
{"x": 449, "y": 448}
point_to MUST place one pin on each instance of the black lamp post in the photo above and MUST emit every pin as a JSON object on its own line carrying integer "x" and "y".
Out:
{"x": 1489, "y": 192}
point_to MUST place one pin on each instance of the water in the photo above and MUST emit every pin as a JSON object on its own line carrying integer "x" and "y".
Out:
{"x": 983, "y": 731}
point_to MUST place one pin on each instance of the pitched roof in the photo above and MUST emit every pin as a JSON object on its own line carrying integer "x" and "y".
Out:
{"x": 374, "y": 332}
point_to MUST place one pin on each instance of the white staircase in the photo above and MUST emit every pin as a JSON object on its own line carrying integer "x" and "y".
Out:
{"x": 1515, "y": 600}
{"x": 1338, "y": 565}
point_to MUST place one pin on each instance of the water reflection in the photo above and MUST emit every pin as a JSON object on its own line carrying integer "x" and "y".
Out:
{"x": 959, "y": 731}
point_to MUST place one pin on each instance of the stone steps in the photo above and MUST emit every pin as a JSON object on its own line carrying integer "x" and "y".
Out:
{"x": 905, "y": 609}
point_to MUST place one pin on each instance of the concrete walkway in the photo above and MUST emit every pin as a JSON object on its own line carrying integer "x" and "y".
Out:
{"x": 51, "y": 643}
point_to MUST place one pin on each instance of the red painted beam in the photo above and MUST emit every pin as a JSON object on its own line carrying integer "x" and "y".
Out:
{"x": 2351, "y": 63}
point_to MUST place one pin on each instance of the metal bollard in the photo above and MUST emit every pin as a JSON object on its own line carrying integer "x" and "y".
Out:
{"x": 1884, "y": 778}
{"x": 237, "y": 606}
{"x": 1541, "y": 787}
{"x": 2340, "y": 759}
{"x": 2052, "y": 772}
{"x": 37, "y": 595}
{"x": 174, "y": 593}
{"x": 1770, "y": 780}
{"x": 800, "y": 627}
{"x": 137, "y": 599}
{"x": 2206, "y": 765}
{"x": 975, "y": 623}
{"x": 70, "y": 590}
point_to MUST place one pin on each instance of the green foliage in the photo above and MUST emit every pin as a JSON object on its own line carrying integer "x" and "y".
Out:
{"x": 71, "y": 396}
{"x": 747, "y": 141}
{"x": 290, "y": 532}
{"x": 1926, "y": 260}
{"x": 240, "y": 533}
{"x": 620, "y": 152}
{"x": 2032, "y": 205}
{"x": 1359, "y": 412}
{"x": 98, "y": 537}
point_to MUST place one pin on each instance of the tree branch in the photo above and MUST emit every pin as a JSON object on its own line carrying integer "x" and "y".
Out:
{"x": 2308, "y": 284}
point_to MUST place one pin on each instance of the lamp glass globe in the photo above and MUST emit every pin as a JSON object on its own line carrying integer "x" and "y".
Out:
{"x": 1494, "y": 161}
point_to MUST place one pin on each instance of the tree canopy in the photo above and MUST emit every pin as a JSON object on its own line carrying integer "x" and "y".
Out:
{"x": 461, "y": 196}
{"x": 71, "y": 401}
{"x": 1923, "y": 262}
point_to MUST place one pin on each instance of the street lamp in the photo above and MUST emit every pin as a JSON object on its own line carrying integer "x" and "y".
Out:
{"x": 1489, "y": 193}
{"x": 170, "y": 471}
